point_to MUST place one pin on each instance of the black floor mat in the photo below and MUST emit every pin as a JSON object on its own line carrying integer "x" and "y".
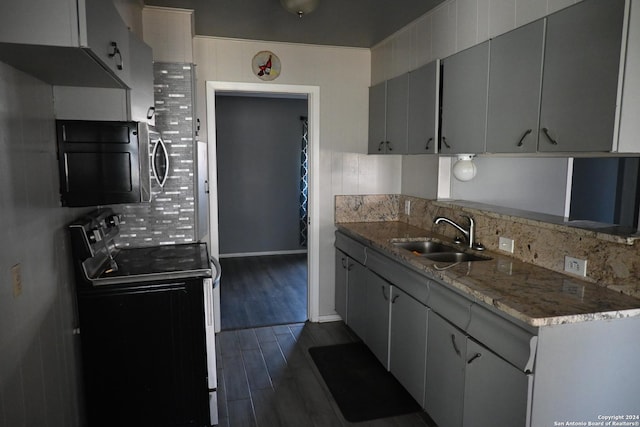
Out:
{"x": 361, "y": 386}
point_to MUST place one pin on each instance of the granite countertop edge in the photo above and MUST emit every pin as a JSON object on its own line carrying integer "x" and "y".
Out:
{"x": 532, "y": 294}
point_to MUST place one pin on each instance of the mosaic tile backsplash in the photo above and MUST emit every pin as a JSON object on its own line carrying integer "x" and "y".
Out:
{"x": 170, "y": 216}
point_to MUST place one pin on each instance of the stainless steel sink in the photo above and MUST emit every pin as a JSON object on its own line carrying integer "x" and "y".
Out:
{"x": 455, "y": 257}
{"x": 425, "y": 247}
{"x": 437, "y": 251}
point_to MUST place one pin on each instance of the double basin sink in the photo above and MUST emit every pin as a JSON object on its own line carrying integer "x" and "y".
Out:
{"x": 438, "y": 251}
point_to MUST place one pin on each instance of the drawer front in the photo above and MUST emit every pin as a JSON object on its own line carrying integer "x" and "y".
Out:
{"x": 514, "y": 344}
{"x": 351, "y": 247}
{"x": 411, "y": 282}
{"x": 449, "y": 305}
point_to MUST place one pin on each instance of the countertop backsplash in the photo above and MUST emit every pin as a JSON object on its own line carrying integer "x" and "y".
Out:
{"x": 612, "y": 261}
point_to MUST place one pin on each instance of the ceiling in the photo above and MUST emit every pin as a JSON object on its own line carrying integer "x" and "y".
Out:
{"x": 356, "y": 23}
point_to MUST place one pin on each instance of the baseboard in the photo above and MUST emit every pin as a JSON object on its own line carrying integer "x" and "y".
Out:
{"x": 248, "y": 254}
{"x": 329, "y": 318}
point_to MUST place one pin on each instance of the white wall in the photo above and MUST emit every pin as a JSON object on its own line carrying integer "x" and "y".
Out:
{"x": 451, "y": 27}
{"x": 38, "y": 365}
{"x": 537, "y": 185}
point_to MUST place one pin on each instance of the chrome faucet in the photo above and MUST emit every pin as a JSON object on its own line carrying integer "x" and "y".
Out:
{"x": 470, "y": 234}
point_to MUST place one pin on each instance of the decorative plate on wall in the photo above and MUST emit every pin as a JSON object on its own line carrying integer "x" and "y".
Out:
{"x": 266, "y": 65}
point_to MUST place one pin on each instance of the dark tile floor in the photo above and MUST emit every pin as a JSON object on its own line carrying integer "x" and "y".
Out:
{"x": 266, "y": 378}
{"x": 263, "y": 290}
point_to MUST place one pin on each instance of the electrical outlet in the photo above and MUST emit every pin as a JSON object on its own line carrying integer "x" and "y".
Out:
{"x": 16, "y": 279}
{"x": 407, "y": 207}
{"x": 505, "y": 244}
{"x": 575, "y": 266}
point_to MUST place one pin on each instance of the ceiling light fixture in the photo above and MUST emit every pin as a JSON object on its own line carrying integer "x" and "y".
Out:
{"x": 300, "y": 7}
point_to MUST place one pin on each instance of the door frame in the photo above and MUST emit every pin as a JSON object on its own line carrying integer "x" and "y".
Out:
{"x": 313, "y": 112}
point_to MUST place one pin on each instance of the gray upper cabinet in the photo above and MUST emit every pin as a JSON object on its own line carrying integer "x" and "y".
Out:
{"x": 423, "y": 89}
{"x": 580, "y": 80}
{"x": 388, "y": 116}
{"x": 67, "y": 42}
{"x": 465, "y": 78}
{"x": 515, "y": 79}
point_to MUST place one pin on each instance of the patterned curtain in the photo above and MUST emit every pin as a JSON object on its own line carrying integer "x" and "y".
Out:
{"x": 304, "y": 181}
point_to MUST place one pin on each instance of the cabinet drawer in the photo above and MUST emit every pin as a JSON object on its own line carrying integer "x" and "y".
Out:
{"x": 351, "y": 247}
{"x": 409, "y": 281}
{"x": 509, "y": 341}
{"x": 449, "y": 305}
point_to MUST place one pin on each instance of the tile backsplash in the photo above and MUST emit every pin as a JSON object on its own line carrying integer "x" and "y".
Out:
{"x": 612, "y": 261}
{"x": 170, "y": 216}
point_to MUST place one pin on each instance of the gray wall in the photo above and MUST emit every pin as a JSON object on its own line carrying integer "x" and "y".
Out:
{"x": 39, "y": 363}
{"x": 258, "y": 155}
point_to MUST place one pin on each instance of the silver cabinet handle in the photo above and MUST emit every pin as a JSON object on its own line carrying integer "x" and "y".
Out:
{"x": 551, "y": 140}
{"x": 444, "y": 141}
{"x": 389, "y": 147}
{"x": 428, "y": 142}
{"x": 380, "y": 146}
{"x": 383, "y": 294}
{"x": 116, "y": 51}
{"x": 455, "y": 345}
{"x": 474, "y": 357}
{"x": 521, "y": 142}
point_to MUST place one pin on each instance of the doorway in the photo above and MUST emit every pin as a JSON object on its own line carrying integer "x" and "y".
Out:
{"x": 311, "y": 94}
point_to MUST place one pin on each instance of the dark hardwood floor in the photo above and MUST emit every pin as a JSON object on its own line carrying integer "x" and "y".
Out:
{"x": 263, "y": 290}
{"x": 266, "y": 378}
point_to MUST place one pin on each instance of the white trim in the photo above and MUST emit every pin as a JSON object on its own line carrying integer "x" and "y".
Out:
{"x": 313, "y": 112}
{"x": 247, "y": 254}
{"x": 568, "y": 188}
{"x": 329, "y": 318}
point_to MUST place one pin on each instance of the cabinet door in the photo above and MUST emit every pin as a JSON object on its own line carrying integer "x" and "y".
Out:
{"x": 580, "y": 79}
{"x": 514, "y": 90}
{"x": 446, "y": 351}
{"x": 377, "y": 121}
{"x": 104, "y": 27}
{"x": 141, "y": 93}
{"x": 495, "y": 391}
{"x": 377, "y": 317}
{"x": 408, "y": 343}
{"x": 422, "y": 109}
{"x": 396, "y": 117}
{"x": 357, "y": 299}
{"x": 465, "y": 78}
{"x": 343, "y": 264}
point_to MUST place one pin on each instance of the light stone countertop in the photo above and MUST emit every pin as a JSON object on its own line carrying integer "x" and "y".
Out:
{"x": 532, "y": 294}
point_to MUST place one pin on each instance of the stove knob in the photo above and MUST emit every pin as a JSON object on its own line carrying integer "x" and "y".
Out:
{"x": 95, "y": 235}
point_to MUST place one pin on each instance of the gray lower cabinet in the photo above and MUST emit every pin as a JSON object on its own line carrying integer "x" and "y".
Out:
{"x": 377, "y": 316}
{"x": 465, "y": 78}
{"x": 423, "y": 88}
{"x": 343, "y": 265}
{"x": 446, "y": 352}
{"x": 495, "y": 392}
{"x": 408, "y": 343}
{"x": 580, "y": 79}
{"x": 356, "y": 299}
{"x": 515, "y": 79}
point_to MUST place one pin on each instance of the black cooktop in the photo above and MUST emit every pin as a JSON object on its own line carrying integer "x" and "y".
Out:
{"x": 158, "y": 262}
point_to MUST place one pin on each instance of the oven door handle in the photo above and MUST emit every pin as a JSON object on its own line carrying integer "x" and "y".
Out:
{"x": 216, "y": 265}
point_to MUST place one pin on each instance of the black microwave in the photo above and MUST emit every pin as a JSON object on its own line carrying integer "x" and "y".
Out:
{"x": 108, "y": 162}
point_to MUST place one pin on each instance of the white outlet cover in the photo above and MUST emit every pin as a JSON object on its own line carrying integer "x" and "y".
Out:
{"x": 505, "y": 244}
{"x": 575, "y": 266}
